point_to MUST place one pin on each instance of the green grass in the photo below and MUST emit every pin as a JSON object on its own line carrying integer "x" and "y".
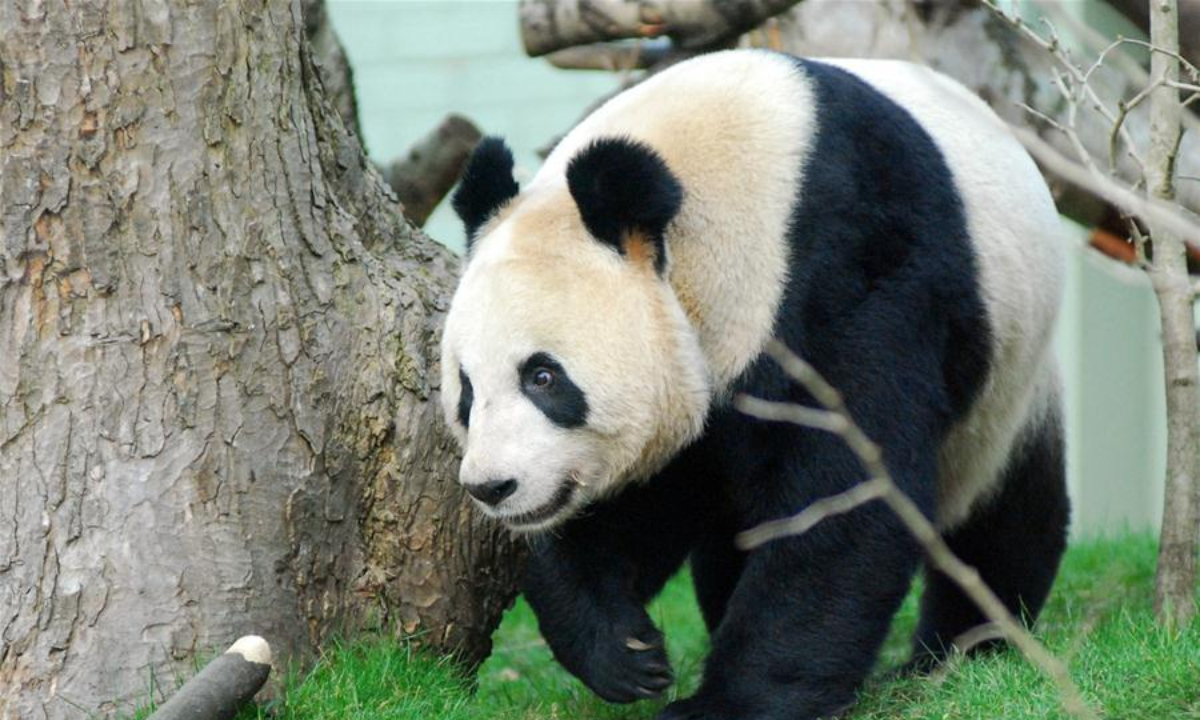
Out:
{"x": 1098, "y": 619}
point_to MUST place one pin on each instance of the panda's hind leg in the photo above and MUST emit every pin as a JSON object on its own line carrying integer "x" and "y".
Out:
{"x": 1015, "y": 540}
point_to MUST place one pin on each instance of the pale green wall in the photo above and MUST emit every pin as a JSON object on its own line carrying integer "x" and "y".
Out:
{"x": 416, "y": 61}
{"x": 1112, "y": 367}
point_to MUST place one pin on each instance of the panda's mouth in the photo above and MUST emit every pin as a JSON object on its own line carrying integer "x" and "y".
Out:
{"x": 534, "y": 519}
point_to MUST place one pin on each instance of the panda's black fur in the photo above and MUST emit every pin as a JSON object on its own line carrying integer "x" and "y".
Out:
{"x": 487, "y": 183}
{"x": 883, "y": 298}
{"x": 621, "y": 186}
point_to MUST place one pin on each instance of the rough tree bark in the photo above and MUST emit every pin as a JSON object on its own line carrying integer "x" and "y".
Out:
{"x": 1175, "y": 580}
{"x": 337, "y": 76}
{"x": 218, "y": 408}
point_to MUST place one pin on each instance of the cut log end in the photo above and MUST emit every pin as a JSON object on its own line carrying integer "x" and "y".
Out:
{"x": 252, "y": 648}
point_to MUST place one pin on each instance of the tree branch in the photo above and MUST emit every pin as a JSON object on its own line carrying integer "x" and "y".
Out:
{"x": 1109, "y": 188}
{"x": 549, "y": 25}
{"x": 423, "y": 176}
{"x": 882, "y": 487}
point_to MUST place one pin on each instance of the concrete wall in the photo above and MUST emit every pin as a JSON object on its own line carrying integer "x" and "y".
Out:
{"x": 415, "y": 61}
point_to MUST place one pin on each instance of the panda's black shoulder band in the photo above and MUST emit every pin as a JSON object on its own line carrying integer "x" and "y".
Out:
{"x": 487, "y": 183}
{"x": 623, "y": 186}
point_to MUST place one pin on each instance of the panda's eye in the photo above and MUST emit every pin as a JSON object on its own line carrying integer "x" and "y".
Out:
{"x": 542, "y": 378}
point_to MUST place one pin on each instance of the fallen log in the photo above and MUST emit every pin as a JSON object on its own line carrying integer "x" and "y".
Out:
{"x": 224, "y": 685}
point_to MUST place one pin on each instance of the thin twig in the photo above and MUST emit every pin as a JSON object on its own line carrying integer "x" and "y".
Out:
{"x": 790, "y": 412}
{"x": 1079, "y": 77}
{"x": 1097, "y": 42}
{"x": 939, "y": 554}
{"x": 1042, "y": 116}
{"x": 1192, "y": 71}
{"x": 1123, "y": 110}
{"x": 1182, "y": 85}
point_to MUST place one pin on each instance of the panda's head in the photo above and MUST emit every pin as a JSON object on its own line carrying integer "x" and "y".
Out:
{"x": 569, "y": 368}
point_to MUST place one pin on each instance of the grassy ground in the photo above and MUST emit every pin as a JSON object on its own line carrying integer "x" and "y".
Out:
{"x": 1098, "y": 619}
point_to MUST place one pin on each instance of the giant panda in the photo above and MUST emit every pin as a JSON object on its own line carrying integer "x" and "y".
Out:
{"x": 875, "y": 218}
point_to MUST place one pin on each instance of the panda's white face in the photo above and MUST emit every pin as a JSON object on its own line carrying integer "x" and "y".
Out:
{"x": 568, "y": 370}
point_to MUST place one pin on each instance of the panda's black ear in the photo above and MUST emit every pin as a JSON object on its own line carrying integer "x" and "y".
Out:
{"x": 623, "y": 189}
{"x": 487, "y": 183}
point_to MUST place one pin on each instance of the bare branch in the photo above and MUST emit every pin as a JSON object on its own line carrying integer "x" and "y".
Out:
{"x": 1109, "y": 188}
{"x": 977, "y": 636}
{"x": 790, "y": 412}
{"x": 882, "y": 487}
{"x": 804, "y": 521}
{"x": 1182, "y": 85}
{"x": 1080, "y": 89}
{"x": 1138, "y": 11}
{"x": 1098, "y": 43}
{"x": 1156, "y": 48}
{"x": 1124, "y": 108}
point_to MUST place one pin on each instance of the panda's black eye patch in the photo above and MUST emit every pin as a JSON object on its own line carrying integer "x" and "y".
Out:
{"x": 466, "y": 398}
{"x": 546, "y": 383}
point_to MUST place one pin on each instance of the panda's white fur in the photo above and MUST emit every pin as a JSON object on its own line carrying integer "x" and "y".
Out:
{"x": 653, "y": 356}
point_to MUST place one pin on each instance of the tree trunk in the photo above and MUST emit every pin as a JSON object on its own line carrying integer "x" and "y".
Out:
{"x": 1175, "y": 580}
{"x": 218, "y": 349}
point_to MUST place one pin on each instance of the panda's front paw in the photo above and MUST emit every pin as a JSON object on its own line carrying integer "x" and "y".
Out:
{"x": 624, "y": 663}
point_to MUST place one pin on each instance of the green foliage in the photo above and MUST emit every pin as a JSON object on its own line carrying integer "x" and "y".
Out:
{"x": 1099, "y": 619}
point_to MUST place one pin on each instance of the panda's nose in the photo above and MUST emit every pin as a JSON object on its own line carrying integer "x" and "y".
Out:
{"x": 493, "y": 491}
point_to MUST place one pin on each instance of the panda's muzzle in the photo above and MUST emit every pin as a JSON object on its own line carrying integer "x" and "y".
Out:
{"x": 561, "y": 499}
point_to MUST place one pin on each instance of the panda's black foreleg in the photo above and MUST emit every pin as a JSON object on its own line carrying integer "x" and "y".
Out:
{"x": 804, "y": 623}
{"x": 589, "y": 581}
{"x": 595, "y": 624}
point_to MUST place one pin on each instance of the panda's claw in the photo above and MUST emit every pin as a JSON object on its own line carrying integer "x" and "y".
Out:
{"x": 637, "y": 645}
{"x": 658, "y": 683}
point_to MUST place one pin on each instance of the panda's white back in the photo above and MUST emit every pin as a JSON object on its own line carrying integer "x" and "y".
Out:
{"x": 737, "y": 127}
